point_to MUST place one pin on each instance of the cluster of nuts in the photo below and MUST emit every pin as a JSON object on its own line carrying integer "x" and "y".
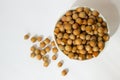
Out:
{"x": 41, "y": 52}
{"x": 81, "y": 33}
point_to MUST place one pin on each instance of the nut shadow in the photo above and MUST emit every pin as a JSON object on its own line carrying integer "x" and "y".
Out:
{"x": 106, "y": 8}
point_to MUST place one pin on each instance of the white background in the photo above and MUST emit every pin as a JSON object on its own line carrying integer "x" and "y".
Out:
{"x": 38, "y": 17}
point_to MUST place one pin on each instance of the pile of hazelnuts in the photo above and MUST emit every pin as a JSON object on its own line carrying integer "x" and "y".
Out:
{"x": 81, "y": 33}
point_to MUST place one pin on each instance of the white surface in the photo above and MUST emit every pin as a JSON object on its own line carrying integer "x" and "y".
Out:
{"x": 18, "y": 17}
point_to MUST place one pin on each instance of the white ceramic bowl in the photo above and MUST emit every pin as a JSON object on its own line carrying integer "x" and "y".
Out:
{"x": 73, "y": 8}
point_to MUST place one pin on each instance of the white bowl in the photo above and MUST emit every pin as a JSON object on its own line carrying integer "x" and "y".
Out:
{"x": 73, "y": 8}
